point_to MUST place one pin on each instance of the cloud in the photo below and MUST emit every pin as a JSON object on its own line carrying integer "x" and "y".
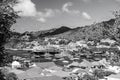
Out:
{"x": 66, "y": 9}
{"x": 47, "y": 13}
{"x": 26, "y": 8}
{"x": 117, "y": 0}
{"x": 43, "y": 20}
{"x": 86, "y": 1}
{"x": 86, "y": 16}
{"x": 99, "y": 1}
{"x": 42, "y": 16}
{"x": 66, "y": 6}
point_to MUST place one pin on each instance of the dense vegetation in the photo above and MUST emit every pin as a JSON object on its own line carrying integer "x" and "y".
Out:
{"x": 94, "y": 32}
{"x": 7, "y": 18}
{"x": 106, "y": 29}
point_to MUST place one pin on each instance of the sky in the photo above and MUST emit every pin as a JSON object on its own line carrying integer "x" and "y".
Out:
{"x": 39, "y": 15}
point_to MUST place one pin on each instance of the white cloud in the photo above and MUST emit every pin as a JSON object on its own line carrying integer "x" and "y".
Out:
{"x": 86, "y": 0}
{"x": 99, "y": 1}
{"x": 66, "y": 6}
{"x": 47, "y": 13}
{"x": 26, "y": 8}
{"x": 43, "y": 20}
{"x": 42, "y": 16}
{"x": 66, "y": 9}
{"x": 86, "y": 15}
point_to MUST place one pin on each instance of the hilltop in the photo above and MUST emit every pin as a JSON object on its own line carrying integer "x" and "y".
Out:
{"x": 95, "y": 31}
{"x": 92, "y": 32}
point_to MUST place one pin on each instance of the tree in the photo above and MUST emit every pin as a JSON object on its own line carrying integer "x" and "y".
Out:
{"x": 115, "y": 30}
{"x": 7, "y": 18}
{"x": 11, "y": 76}
{"x": 89, "y": 77}
{"x": 101, "y": 73}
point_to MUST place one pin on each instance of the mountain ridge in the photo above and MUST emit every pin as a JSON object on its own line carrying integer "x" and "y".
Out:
{"x": 90, "y": 32}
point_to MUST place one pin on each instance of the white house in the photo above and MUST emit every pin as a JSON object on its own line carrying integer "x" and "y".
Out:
{"x": 108, "y": 41}
{"x": 34, "y": 65}
{"x": 16, "y": 64}
{"x": 115, "y": 69}
{"x": 113, "y": 77}
{"x": 82, "y": 44}
{"x": 102, "y": 46}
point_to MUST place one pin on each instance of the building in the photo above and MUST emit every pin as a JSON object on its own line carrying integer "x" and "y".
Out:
{"x": 113, "y": 77}
{"x": 16, "y": 64}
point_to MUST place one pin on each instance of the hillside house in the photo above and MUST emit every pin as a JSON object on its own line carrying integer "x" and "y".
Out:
{"x": 25, "y": 37}
{"x": 15, "y": 64}
{"x": 113, "y": 77}
{"x": 115, "y": 69}
{"x": 82, "y": 44}
{"x": 108, "y": 41}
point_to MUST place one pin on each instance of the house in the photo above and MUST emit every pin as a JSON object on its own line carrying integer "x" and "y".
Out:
{"x": 73, "y": 64}
{"x": 47, "y": 55}
{"x": 82, "y": 44}
{"x": 33, "y": 65}
{"x": 113, "y": 77}
{"x": 102, "y": 46}
{"x": 80, "y": 71}
{"x": 90, "y": 43}
{"x": 16, "y": 64}
{"x": 85, "y": 64}
{"x": 56, "y": 68}
{"x": 25, "y": 37}
{"x": 104, "y": 62}
{"x": 115, "y": 69}
{"x": 95, "y": 63}
{"x": 72, "y": 45}
{"x": 61, "y": 73}
{"x": 108, "y": 41}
